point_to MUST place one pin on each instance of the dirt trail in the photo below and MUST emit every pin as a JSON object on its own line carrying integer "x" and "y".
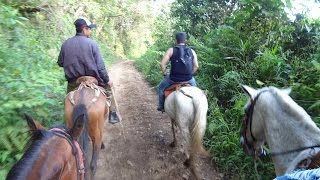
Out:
{"x": 138, "y": 147}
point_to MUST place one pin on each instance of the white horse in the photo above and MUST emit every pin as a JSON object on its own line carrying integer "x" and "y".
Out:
{"x": 293, "y": 138}
{"x": 187, "y": 108}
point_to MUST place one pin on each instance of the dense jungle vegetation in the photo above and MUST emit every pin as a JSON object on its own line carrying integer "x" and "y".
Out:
{"x": 251, "y": 42}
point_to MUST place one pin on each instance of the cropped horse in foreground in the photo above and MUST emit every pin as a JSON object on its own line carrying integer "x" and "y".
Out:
{"x": 89, "y": 101}
{"x": 187, "y": 107}
{"x": 293, "y": 138}
{"x": 52, "y": 154}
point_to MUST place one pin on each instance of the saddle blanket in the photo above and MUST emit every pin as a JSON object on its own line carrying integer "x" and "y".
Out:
{"x": 310, "y": 174}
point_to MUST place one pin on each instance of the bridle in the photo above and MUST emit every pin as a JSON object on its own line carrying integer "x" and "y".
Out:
{"x": 251, "y": 150}
{"x": 247, "y": 121}
{"x": 76, "y": 150}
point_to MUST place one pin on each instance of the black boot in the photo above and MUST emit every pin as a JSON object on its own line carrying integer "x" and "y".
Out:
{"x": 160, "y": 109}
{"x": 113, "y": 117}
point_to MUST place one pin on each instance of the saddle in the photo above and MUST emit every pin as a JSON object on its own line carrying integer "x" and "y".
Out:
{"x": 87, "y": 80}
{"x": 310, "y": 163}
{"x": 175, "y": 87}
{"x": 92, "y": 83}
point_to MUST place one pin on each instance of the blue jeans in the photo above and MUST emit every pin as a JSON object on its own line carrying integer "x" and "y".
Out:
{"x": 165, "y": 83}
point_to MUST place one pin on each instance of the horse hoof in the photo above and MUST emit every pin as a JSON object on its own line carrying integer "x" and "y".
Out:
{"x": 93, "y": 167}
{"x": 187, "y": 163}
{"x": 102, "y": 146}
{"x": 173, "y": 144}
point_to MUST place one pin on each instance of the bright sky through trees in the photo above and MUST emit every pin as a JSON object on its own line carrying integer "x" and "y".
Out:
{"x": 309, "y": 7}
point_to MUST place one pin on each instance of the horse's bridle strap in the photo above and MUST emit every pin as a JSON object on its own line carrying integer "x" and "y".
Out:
{"x": 76, "y": 150}
{"x": 251, "y": 108}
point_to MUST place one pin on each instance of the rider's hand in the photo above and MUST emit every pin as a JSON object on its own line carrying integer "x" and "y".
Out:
{"x": 164, "y": 75}
{"x": 110, "y": 83}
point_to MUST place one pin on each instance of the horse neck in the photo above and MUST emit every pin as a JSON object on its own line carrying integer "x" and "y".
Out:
{"x": 285, "y": 131}
{"x": 57, "y": 158}
{"x": 45, "y": 160}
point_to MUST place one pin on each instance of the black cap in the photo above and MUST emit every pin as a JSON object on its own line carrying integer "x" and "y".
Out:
{"x": 83, "y": 22}
{"x": 181, "y": 37}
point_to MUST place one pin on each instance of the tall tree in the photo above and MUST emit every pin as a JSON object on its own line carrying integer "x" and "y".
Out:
{"x": 199, "y": 17}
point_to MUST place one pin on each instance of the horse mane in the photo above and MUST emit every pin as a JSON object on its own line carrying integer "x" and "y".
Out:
{"x": 288, "y": 104}
{"x": 34, "y": 144}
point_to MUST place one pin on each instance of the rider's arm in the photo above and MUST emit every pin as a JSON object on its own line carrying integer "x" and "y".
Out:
{"x": 60, "y": 58}
{"x": 100, "y": 64}
{"x": 165, "y": 60}
{"x": 195, "y": 62}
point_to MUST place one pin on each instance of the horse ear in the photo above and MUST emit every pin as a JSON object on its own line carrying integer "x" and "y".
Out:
{"x": 249, "y": 91}
{"x": 33, "y": 124}
{"x": 77, "y": 128}
{"x": 286, "y": 91}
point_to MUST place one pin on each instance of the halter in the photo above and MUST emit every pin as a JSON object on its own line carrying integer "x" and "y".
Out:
{"x": 76, "y": 150}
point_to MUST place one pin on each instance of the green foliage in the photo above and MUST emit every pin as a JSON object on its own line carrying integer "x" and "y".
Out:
{"x": 199, "y": 17}
{"x": 12, "y": 146}
{"x": 149, "y": 65}
{"x": 26, "y": 84}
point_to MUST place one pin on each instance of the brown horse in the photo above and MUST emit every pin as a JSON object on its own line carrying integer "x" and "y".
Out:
{"x": 88, "y": 99}
{"x": 52, "y": 154}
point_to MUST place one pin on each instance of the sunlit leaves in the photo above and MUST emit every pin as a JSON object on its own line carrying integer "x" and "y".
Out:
{"x": 199, "y": 17}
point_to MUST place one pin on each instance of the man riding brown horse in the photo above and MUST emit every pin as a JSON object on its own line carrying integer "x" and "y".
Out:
{"x": 80, "y": 56}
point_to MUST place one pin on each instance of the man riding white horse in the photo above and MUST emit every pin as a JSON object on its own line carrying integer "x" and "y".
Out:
{"x": 184, "y": 63}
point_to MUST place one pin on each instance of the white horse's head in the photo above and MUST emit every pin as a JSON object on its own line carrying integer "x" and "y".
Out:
{"x": 252, "y": 131}
{"x": 273, "y": 117}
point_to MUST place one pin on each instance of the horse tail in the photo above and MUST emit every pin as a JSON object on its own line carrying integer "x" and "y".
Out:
{"x": 80, "y": 111}
{"x": 200, "y": 104}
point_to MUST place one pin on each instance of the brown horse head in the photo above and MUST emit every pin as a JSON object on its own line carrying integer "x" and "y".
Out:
{"x": 51, "y": 153}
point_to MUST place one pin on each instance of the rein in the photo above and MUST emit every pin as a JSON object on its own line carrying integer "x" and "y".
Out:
{"x": 291, "y": 151}
{"x": 76, "y": 150}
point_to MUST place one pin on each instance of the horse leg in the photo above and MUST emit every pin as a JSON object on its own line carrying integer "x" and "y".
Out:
{"x": 186, "y": 146}
{"x": 95, "y": 154}
{"x": 193, "y": 166}
{"x": 101, "y": 123}
{"x": 174, "y": 142}
{"x": 190, "y": 162}
{"x": 96, "y": 137}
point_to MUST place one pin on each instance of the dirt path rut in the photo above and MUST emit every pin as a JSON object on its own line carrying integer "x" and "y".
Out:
{"x": 138, "y": 147}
